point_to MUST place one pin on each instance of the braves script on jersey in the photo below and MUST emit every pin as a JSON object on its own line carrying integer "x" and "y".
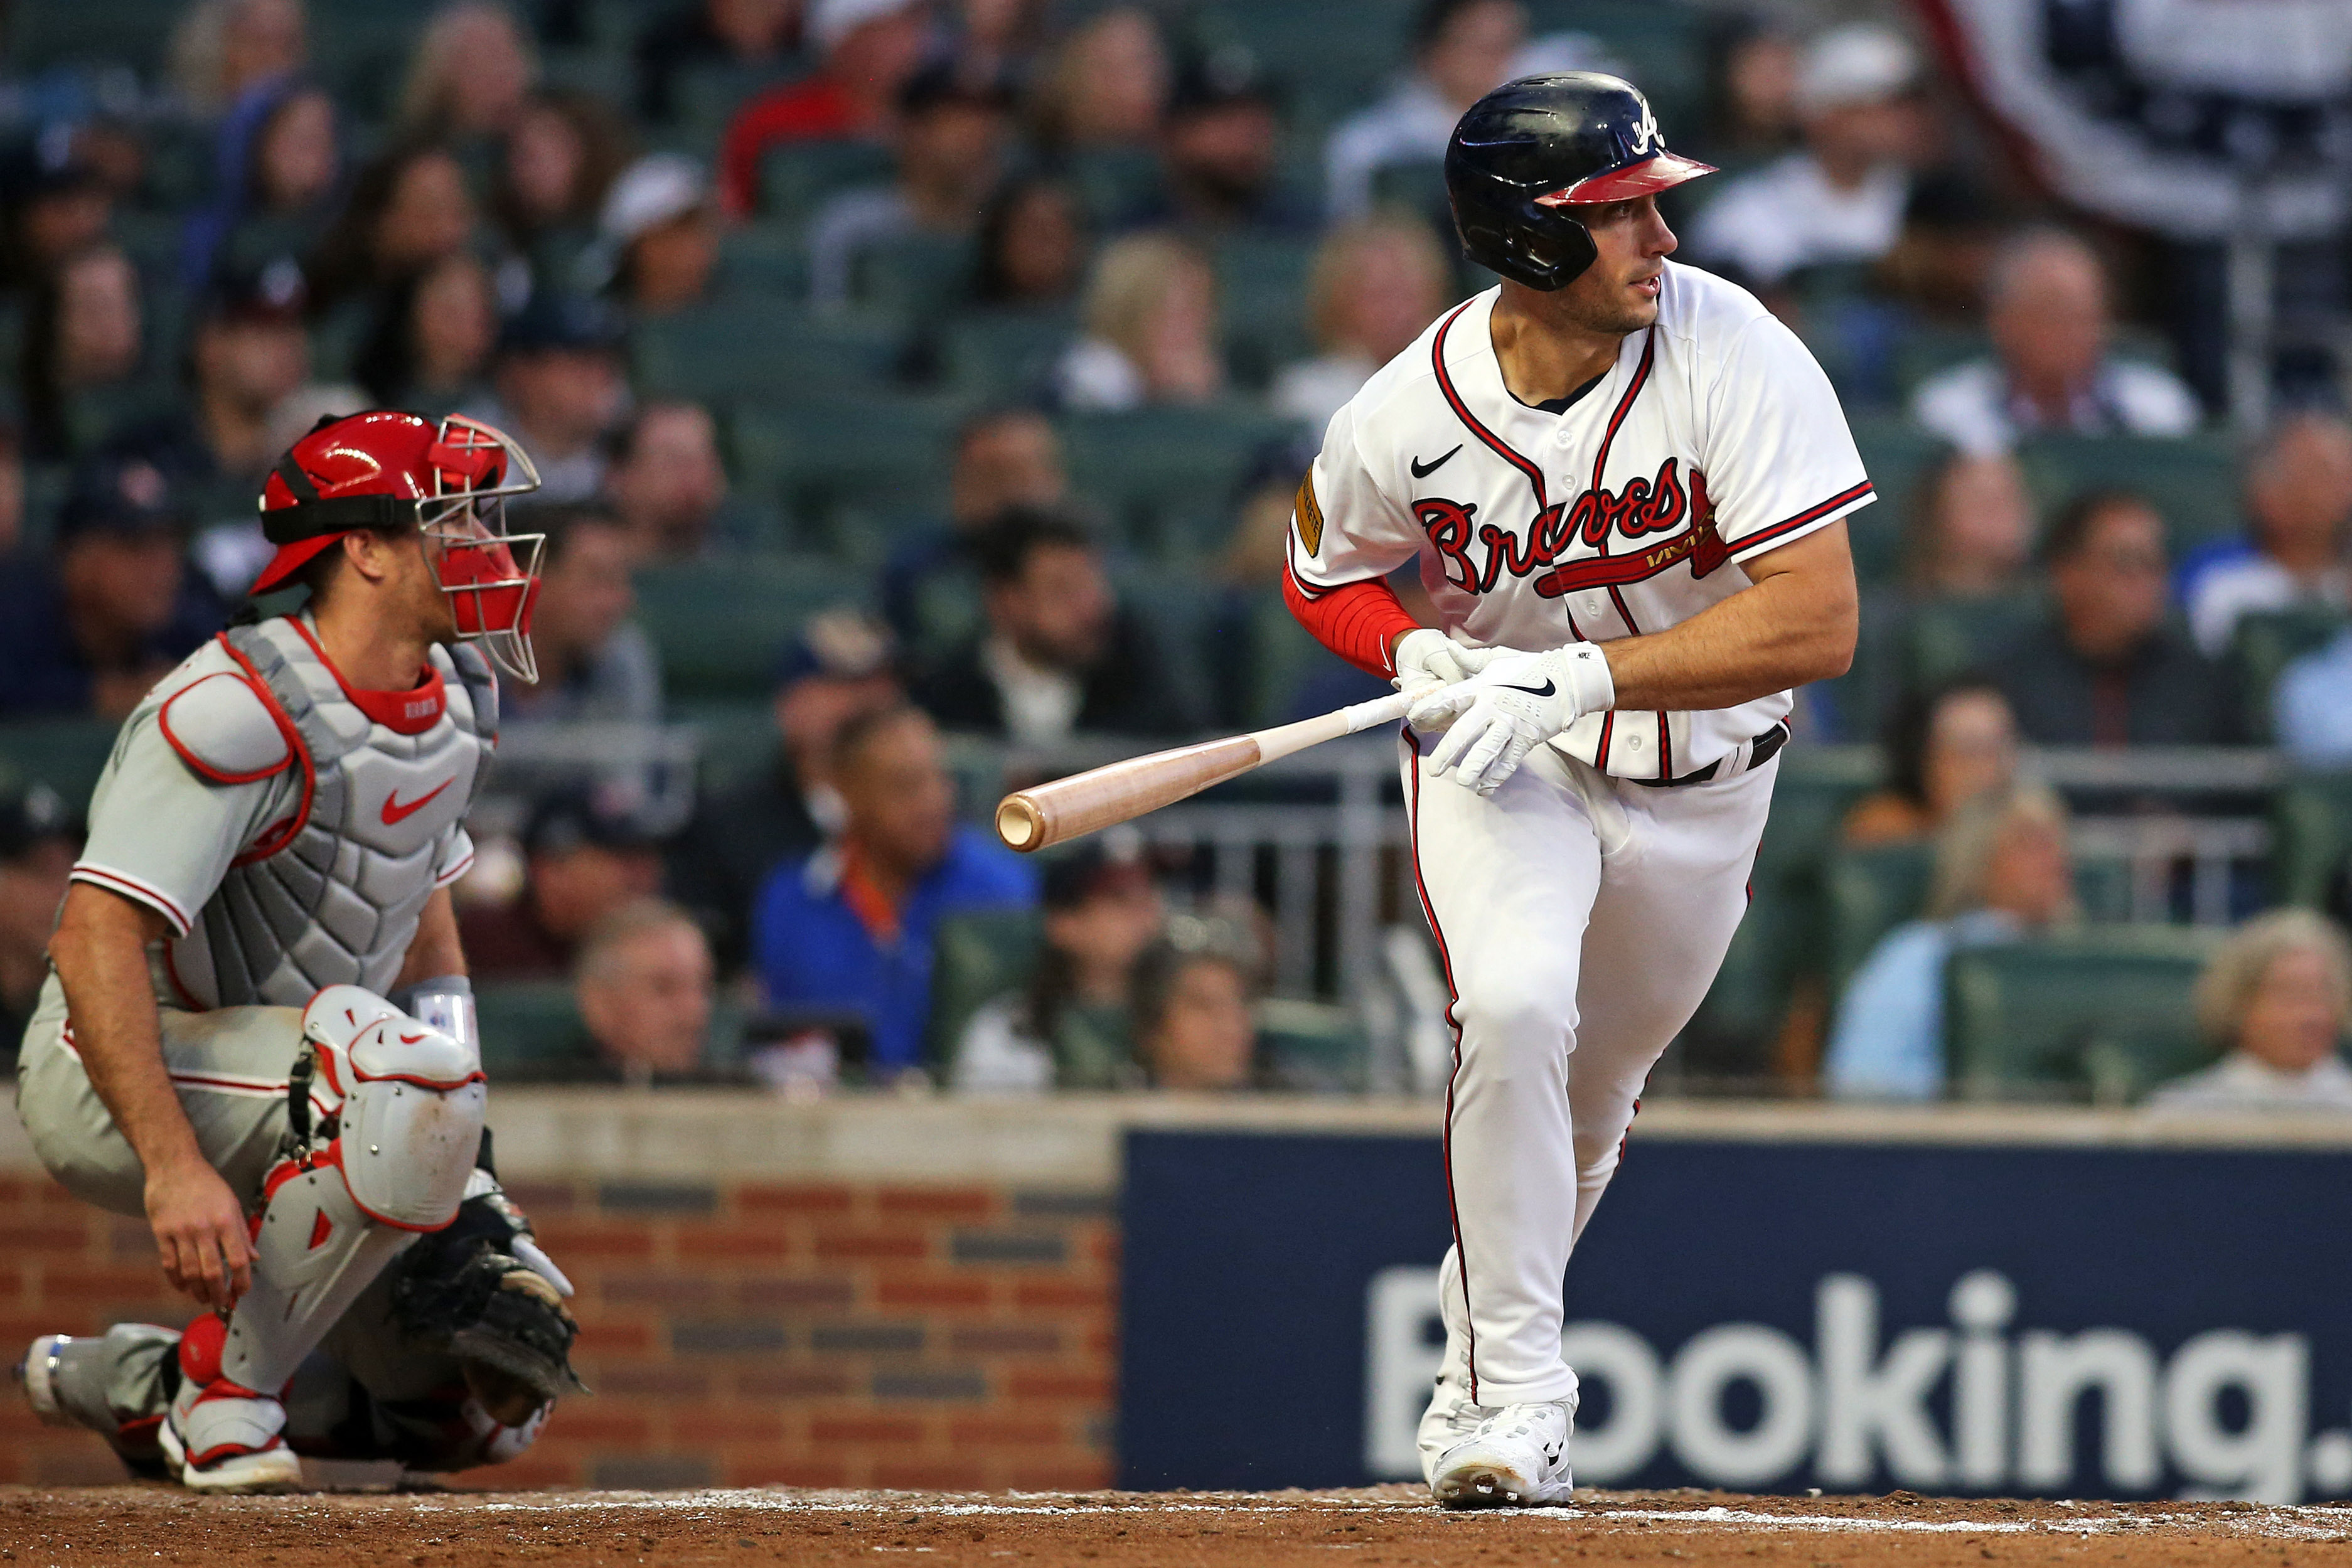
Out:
{"x": 1713, "y": 439}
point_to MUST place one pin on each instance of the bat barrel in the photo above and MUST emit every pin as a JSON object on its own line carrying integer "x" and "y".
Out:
{"x": 1047, "y": 814}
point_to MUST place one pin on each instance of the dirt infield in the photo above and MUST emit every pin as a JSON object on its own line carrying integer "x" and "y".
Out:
{"x": 1393, "y": 1526}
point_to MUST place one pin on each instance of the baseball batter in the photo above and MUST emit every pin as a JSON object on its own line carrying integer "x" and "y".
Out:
{"x": 1625, "y": 482}
{"x": 257, "y": 1031}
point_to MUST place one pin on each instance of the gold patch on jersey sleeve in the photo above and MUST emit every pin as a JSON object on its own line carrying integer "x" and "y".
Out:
{"x": 1308, "y": 514}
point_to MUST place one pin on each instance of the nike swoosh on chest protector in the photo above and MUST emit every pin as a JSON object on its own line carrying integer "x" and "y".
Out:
{"x": 393, "y": 811}
{"x": 1421, "y": 471}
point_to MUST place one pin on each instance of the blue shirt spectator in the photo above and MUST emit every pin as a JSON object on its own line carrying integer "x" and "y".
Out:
{"x": 2312, "y": 709}
{"x": 2002, "y": 871}
{"x": 851, "y": 926}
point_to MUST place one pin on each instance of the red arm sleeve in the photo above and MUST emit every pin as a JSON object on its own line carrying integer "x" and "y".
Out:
{"x": 1357, "y": 620}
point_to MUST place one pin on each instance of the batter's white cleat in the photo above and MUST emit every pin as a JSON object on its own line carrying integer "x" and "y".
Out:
{"x": 1516, "y": 1458}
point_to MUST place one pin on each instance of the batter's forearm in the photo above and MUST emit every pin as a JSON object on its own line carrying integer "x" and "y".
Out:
{"x": 100, "y": 954}
{"x": 1796, "y": 622}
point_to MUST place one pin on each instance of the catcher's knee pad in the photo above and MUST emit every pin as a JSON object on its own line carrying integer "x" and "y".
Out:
{"x": 409, "y": 1106}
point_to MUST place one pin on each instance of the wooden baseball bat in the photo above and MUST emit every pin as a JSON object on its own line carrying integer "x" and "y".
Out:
{"x": 1053, "y": 813}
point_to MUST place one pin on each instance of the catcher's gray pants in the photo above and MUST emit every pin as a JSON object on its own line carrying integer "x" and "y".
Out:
{"x": 230, "y": 1067}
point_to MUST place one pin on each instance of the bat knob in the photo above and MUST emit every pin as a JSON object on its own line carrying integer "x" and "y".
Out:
{"x": 1020, "y": 824}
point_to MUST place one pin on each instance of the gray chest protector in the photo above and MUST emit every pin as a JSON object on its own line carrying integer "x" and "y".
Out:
{"x": 330, "y": 894}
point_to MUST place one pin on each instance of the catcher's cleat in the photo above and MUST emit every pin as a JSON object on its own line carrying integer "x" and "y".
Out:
{"x": 1517, "y": 1458}
{"x": 36, "y": 1376}
{"x": 218, "y": 1436}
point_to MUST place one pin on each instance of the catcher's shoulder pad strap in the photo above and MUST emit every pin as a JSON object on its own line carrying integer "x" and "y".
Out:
{"x": 225, "y": 730}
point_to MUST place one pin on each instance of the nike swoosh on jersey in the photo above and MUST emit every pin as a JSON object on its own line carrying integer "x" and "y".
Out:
{"x": 1423, "y": 472}
{"x": 1544, "y": 690}
{"x": 394, "y": 812}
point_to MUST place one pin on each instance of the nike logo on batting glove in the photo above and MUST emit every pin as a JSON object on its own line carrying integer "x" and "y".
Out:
{"x": 1515, "y": 703}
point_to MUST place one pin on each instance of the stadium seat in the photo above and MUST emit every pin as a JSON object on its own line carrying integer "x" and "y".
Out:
{"x": 2311, "y": 836}
{"x": 2191, "y": 480}
{"x": 974, "y": 959}
{"x": 66, "y": 754}
{"x": 1895, "y": 453}
{"x": 2263, "y": 645}
{"x": 795, "y": 177}
{"x": 705, "y": 97}
{"x": 1663, "y": 47}
{"x": 1949, "y": 637}
{"x": 913, "y": 280}
{"x": 1004, "y": 355}
{"x": 1114, "y": 183}
{"x": 117, "y": 31}
{"x": 720, "y": 625}
{"x": 529, "y": 1026}
{"x": 849, "y": 474}
{"x": 1313, "y": 1047}
{"x": 2103, "y": 1015}
{"x": 762, "y": 352}
{"x": 763, "y": 261}
{"x": 1166, "y": 474}
{"x": 1261, "y": 290}
{"x": 1868, "y": 893}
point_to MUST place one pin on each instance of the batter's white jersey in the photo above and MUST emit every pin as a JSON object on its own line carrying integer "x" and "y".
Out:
{"x": 1714, "y": 438}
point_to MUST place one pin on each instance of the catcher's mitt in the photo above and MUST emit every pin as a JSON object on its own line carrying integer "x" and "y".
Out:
{"x": 463, "y": 1289}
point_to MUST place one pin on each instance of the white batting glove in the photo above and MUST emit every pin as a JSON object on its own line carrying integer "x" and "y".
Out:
{"x": 1426, "y": 660}
{"x": 1514, "y": 704}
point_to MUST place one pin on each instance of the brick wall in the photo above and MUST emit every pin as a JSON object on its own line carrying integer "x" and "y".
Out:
{"x": 736, "y": 1333}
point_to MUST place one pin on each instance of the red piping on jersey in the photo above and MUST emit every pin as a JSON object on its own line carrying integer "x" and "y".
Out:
{"x": 1624, "y": 405}
{"x": 284, "y": 833}
{"x": 1600, "y": 752}
{"x": 197, "y": 764}
{"x": 1765, "y": 535}
{"x": 1665, "y": 748}
{"x": 1470, "y": 420}
{"x": 1453, "y": 1026}
{"x": 153, "y": 897}
{"x": 396, "y": 710}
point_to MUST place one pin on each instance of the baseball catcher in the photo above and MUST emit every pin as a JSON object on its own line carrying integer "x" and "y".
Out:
{"x": 257, "y": 1032}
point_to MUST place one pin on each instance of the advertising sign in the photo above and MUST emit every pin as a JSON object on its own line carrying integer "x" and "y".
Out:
{"x": 1766, "y": 1316}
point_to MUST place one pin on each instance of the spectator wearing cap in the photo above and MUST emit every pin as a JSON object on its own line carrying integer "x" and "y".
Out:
{"x": 949, "y": 139}
{"x": 52, "y": 206}
{"x": 1067, "y": 1028}
{"x": 595, "y": 664}
{"x": 664, "y": 481}
{"x": 586, "y": 854}
{"x": 90, "y": 631}
{"x": 279, "y": 165}
{"x": 250, "y": 350}
{"x": 1462, "y": 49}
{"x": 1058, "y": 655}
{"x": 746, "y": 33}
{"x": 2298, "y": 499}
{"x": 658, "y": 233}
{"x": 930, "y": 586}
{"x": 2109, "y": 667}
{"x": 642, "y": 985}
{"x": 1376, "y": 284}
{"x": 561, "y": 387}
{"x": 2052, "y": 368}
{"x": 839, "y": 668}
{"x": 1220, "y": 149}
{"x": 869, "y": 48}
{"x": 851, "y": 927}
{"x": 429, "y": 350}
{"x": 82, "y": 350}
{"x": 1841, "y": 198}
{"x": 39, "y": 838}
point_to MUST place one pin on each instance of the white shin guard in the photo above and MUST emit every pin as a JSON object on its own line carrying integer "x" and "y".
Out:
{"x": 403, "y": 1108}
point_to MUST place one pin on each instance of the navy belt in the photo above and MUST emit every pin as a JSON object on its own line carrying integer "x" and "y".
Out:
{"x": 1761, "y": 750}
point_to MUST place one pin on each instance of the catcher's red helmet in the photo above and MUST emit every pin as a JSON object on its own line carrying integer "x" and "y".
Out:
{"x": 450, "y": 481}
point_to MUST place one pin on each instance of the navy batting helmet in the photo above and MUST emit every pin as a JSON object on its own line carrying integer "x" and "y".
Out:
{"x": 1533, "y": 147}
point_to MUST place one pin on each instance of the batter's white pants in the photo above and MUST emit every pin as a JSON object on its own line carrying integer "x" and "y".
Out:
{"x": 1580, "y": 920}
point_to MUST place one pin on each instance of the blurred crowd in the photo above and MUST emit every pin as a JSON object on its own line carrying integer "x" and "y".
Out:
{"x": 999, "y": 332}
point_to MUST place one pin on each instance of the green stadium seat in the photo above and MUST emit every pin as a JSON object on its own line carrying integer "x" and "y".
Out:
{"x": 795, "y": 177}
{"x": 1896, "y": 455}
{"x": 2105, "y": 1015}
{"x": 1261, "y": 289}
{"x": 1949, "y": 637}
{"x": 1004, "y": 354}
{"x": 529, "y": 1028}
{"x": 2191, "y": 480}
{"x": 720, "y": 625}
{"x": 1661, "y": 46}
{"x": 1869, "y": 892}
{"x": 66, "y": 754}
{"x": 2311, "y": 836}
{"x": 913, "y": 280}
{"x": 851, "y": 473}
{"x": 116, "y": 32}
{"x": 1114, "y": 183}
{"x": 1929, "y": 351}
{"x": 705, "y": 97}
{"x": 1167, "y": 475}
{"x": 976, "y": 959}
{"x": 2262, "y": 648}
{"x": 1283, "y": 657}
{"x": 1313, "y": 1047}
{"x": 763, "y": 261}
{"x": 763, "y": 352}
